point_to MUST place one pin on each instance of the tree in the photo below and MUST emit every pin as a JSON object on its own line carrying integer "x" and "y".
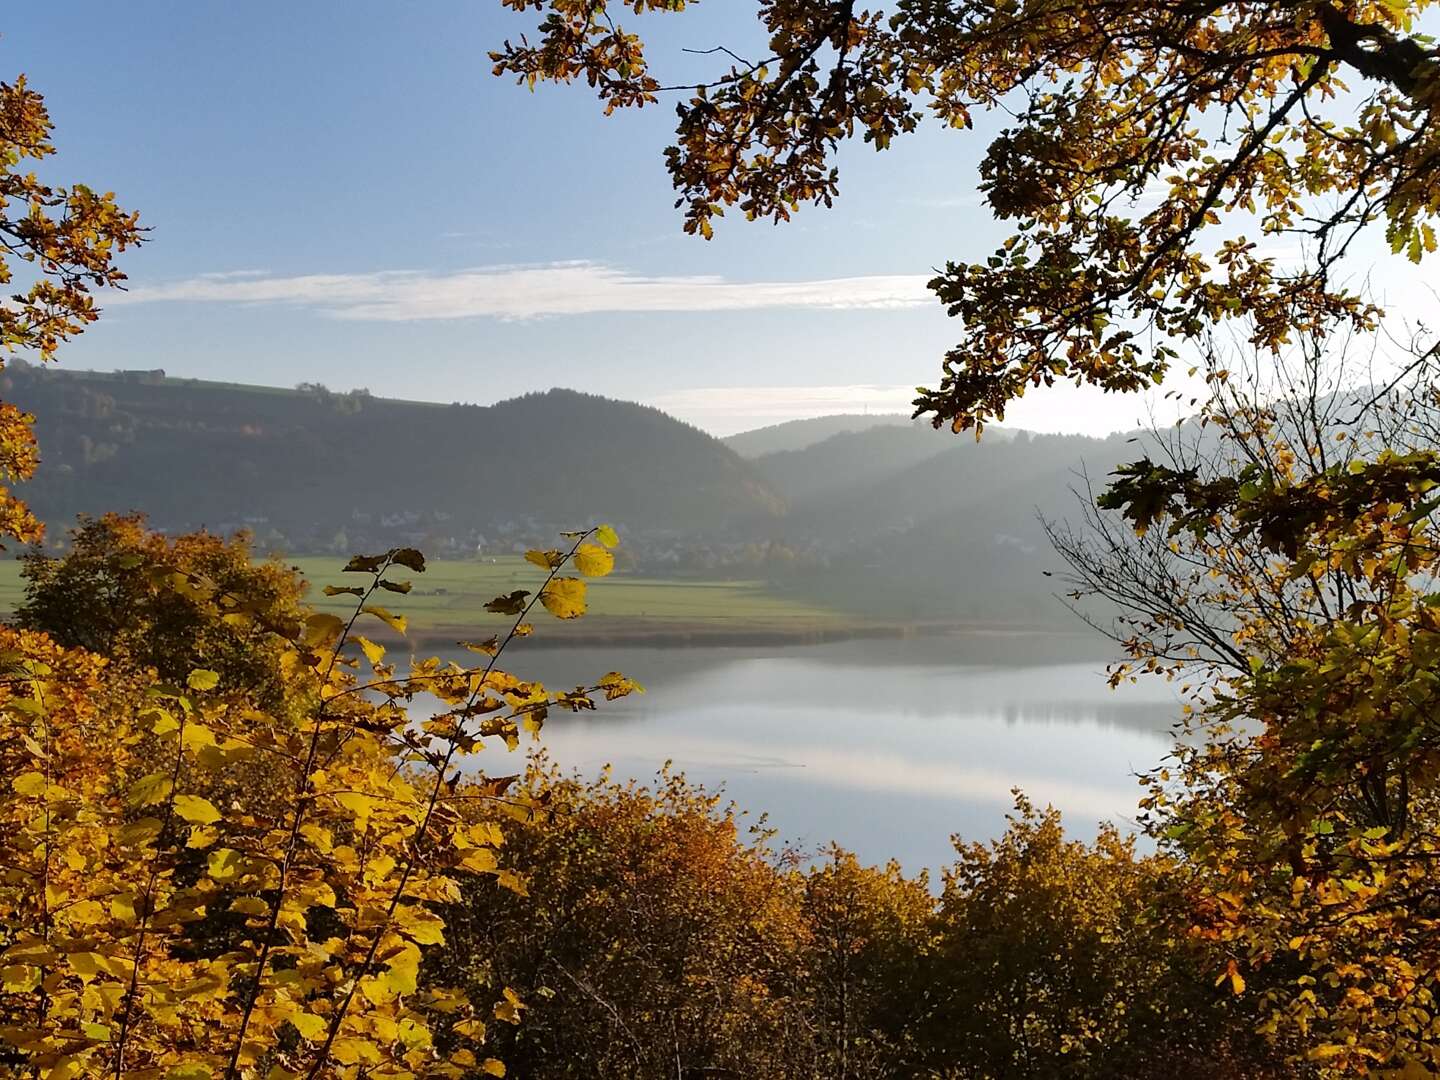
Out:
{"x": 65, "y": 240}
{"x": 1056, "y": 958}
{"x": 1310, "y": 120}
{"x": 1286, "y": 567}
{"x": 195, "y": 882}
{"x": 102, "y": 597}
{"x": 658, "y": 937}
{"x": 1286, "y": 564}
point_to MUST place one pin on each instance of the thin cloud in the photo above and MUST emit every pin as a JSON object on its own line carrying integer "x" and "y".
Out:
{"x": 528, "y": 292}
{"x": 705, "y": 406}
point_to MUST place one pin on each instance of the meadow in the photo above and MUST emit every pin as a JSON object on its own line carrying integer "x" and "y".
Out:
{"x": 447, "y": 602}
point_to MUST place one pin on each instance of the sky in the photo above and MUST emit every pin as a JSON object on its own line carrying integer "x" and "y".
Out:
{"x": 343, "y": 193}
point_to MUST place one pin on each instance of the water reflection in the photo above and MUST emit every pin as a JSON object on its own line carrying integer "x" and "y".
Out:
{"x": 886, "y": 747}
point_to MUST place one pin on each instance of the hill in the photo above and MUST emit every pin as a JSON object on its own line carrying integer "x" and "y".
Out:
{"x": 851, "y": 459}
{"x": 310, "y": 469}
{"x": 798, "y": 434}
{"x": 925, "y": 525}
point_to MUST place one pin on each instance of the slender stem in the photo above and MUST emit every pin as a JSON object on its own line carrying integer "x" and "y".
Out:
{"x": 302, "y": 785}
{"x": 417, "y": 840}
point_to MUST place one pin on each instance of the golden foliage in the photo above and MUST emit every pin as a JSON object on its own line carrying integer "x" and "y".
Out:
{"x": 158, "y": 917}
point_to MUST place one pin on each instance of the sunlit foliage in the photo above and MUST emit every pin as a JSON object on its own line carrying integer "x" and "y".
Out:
{"x": 57, "y": 244}
{"x": 1149, "y": 153}
{"x": 158, "y": 917}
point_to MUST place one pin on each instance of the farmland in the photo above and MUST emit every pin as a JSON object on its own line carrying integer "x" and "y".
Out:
{"x": 447, "y": 602}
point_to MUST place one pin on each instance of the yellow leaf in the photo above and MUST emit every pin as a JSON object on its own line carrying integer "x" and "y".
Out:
{"x": 322, "y": 628}
{"x": 151, "y": 789}
{"x": 311, "y": 1027}
{"x": 30, "y": 783}
{"x": 203, "y": 679}
{"x": 403, "y": 971}
{"x": 509, "y": 1007}
{"x": 493, "y": 1067}
{"x": 471, "y": 1029}
{"x": 564, "y": 598}
{"x": 607, "y": 535}
{"x": 19, "y": 978}
{"x": 593, "y": 561}
{"x": 362, "y": 806}
{"x": 395, "y": 622}
{"x": 196, "y": 810}
{"x": 374, "y": 653}
{"x": 224, "y": 864}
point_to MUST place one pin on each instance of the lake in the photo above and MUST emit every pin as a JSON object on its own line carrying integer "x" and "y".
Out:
{"x": 887, "y": 747}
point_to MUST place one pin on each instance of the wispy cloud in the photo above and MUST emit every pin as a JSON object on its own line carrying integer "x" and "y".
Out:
{"x": 527, "y": 292}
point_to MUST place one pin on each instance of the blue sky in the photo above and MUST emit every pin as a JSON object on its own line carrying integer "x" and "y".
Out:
{"x": 344, "y": 194}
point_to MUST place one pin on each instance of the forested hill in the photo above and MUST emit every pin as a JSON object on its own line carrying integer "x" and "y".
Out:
{"x": 313, "y": 469}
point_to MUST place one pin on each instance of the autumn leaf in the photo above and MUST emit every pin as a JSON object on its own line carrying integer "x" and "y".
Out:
{"x": 196, "y": 809}
{"x": 593, "y": 561}
{"x": 510, "y": 604}
{"x": 546, "y": 560}
{"x": 564, "y": 598}
{"x": 395, "y": 622}
{"x": 203, "y": 679}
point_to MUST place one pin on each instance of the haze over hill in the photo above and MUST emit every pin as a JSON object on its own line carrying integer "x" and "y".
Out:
{"x": 798, "y": 434}
{"x": 891, "y": 518}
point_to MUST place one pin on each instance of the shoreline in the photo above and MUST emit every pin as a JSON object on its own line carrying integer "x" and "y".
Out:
{"x": 683, "y": 635}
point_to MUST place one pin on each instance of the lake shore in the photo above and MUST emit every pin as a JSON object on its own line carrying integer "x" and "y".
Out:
{"x": 623, "y": 633}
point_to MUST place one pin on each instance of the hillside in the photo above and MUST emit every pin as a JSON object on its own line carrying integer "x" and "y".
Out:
{"x": 312, "y": 470}
{"x": 851, "y": 459}
{"x": 798, "y": 434}
{"x": 897, "y": 521}
{"x": 926, "y": 525}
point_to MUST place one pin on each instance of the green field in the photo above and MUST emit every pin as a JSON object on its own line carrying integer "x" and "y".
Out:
{"x": 448, "y": 600}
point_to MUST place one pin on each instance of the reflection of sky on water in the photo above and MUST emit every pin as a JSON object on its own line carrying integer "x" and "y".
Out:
{"x": 887, "y": 749}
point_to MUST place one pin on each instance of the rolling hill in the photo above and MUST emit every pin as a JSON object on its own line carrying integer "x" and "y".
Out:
{"x": 895, "y": 521}
{"x": 310, "y": 469}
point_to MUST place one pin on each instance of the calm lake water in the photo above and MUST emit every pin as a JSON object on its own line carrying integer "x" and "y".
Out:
{"x": 887, "y": 747}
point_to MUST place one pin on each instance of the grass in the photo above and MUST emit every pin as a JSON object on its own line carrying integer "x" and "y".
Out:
{"x": 449, "y": 599}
